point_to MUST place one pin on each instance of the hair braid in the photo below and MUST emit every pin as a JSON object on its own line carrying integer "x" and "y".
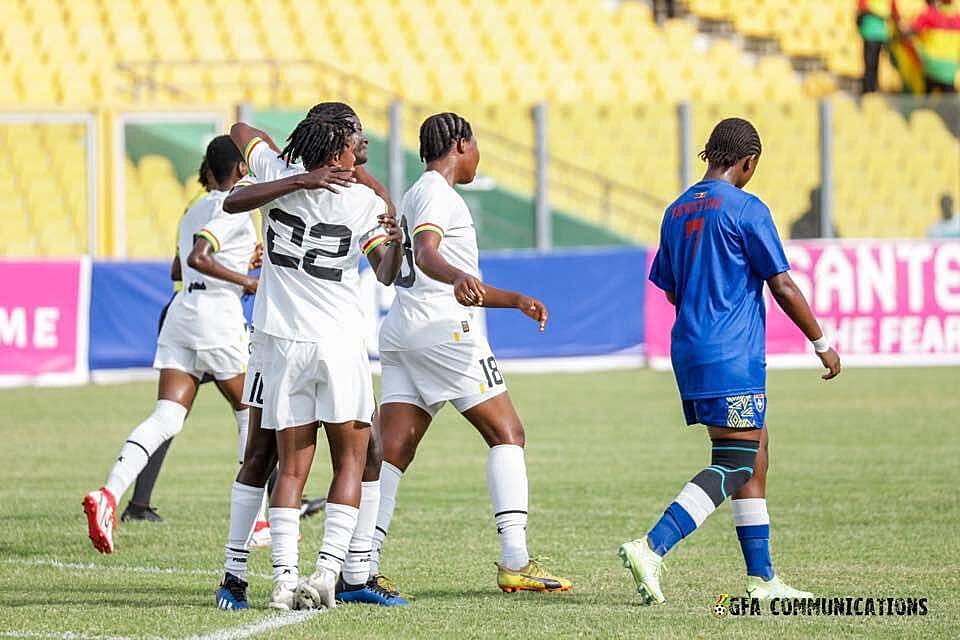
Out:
{"x": 440, "y": 132}
{"x": 731, "y": 140}
{"x": 318, "y": 138}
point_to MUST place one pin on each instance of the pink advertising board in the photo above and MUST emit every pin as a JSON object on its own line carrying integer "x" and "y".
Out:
{"x": 881, "y": 302}
{"x": 44, "y": 309}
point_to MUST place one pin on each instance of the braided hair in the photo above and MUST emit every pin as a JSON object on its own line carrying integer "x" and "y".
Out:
{"x": 332, "y": 110}
{"x": 731, "y": 140}
{"x": 317, "y": 139}
{"x": 220, "y": 159}
{"x": 440, "y": 132}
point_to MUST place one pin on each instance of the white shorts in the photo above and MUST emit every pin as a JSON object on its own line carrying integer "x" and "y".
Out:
{"x": 465, "y": 373}
{"x": 306, "y": 382}
{"x": 253, "y": 381}
{"x": 222, "y": 363}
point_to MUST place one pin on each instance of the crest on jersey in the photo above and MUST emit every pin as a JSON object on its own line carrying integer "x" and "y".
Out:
{"x": 465, "y": 326}
{"x": 699, "y": 195}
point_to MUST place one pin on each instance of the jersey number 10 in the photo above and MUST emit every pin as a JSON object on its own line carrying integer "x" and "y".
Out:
{"x": 309, "y": 259}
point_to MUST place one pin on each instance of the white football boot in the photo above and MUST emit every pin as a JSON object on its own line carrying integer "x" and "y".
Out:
{"x": 284, "y": 598}
{"x": 646, "y": 567}
{"x": 773, "y": 588}
{"x": 318, "y": 591}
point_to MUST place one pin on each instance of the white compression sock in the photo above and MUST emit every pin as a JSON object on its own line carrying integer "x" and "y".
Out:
{"x": 507, "y": 482}
{"x": 341, "y": 522}
{"x": 245, "y": 504}
{"x": 165, "y": 422}
{"x": 285, "y": 531}
{"x": 389, "y": 485}
{"x": 243, "y": 426}
{"x": 356, "y": 568}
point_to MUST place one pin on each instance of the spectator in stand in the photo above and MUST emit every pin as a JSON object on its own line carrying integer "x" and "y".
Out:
{"x": 937, "y": 37}
{"x": 949, "y": 226}
{"x": 873, "y": 21}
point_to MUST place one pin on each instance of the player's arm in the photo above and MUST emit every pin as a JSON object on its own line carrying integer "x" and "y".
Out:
{"x": 505, "y": 299}
{"x": 201, "y": 258}
{"x": 243, "y": 134}
{"x": 468, "y": 289}
{"x": 365, "y": 178}
{"x": 791, "y": 300}
{"x": 385, "y": 250}
{"x": 176, "y": 273}
{"x": 246, "y": 196}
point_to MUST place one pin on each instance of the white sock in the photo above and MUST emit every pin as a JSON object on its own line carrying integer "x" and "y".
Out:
{"x": 389, "y": 485}
{"x": 243, "y": 426}
{"x": 284, "y": 531}
{"x": 507, "y": 482}
{"x": 356, "y": 568}
{"x": 165, "y": 422}
{"x": 341, "y": 522}
{"x": 245, "y": 503}
{"x": 264, "y": 507}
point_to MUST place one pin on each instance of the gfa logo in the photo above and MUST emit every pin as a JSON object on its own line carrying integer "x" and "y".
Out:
{"x": 739, "y": 606}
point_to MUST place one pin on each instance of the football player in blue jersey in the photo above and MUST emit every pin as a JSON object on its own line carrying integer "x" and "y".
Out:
{"x": 718, "y": 246}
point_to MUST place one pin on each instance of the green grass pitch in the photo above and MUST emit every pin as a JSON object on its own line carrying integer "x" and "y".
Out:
{"x": 862, "y": 496}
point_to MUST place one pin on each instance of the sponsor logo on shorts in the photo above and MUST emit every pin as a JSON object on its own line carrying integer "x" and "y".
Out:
{"x": 197, "y": 286}
{"x": 741, "y": 413}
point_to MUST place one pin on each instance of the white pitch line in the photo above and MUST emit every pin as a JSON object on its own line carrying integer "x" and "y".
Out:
{"x": 89, "y": 566}
{"x": 256, "y": 628}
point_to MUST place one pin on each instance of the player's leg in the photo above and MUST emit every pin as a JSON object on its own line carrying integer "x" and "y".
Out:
{"x": 177, "y": 390}
{"x": 496, "y": 419}
{"x": 139, "y": 506}
{"x": 295, "y": 450}
{"x": 232, "y": 390}
{"x": 752, "y": 521}
{"x": 733, "y": 454}
{"x": 246, "y": 499}
{"x": 348, "y": 443}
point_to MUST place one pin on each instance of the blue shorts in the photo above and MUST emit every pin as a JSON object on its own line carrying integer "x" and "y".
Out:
{"x": 732, "y": 412}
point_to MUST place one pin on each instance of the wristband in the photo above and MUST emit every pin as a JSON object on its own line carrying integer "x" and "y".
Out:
{"x": 821, "y": 344}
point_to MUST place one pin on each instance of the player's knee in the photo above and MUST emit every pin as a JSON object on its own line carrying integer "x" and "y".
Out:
{"x": 257, "y": 467}
{"x": 731, "y": 467}
{"x": 508, "y": 433}
{"x": 374, "y": 457}
{"x": 165, "y": 422}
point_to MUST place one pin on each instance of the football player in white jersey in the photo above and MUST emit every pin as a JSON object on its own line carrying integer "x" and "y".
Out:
{"x": 314, "y": 366}
{"x": 203, "y": 333}
{"x": 261, "y": 454}
{"x": 433, "y": 349}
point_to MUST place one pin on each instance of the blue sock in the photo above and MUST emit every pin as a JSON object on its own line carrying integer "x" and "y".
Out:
{"x": 755, "y": 544}
{"x": 674, "y": 525}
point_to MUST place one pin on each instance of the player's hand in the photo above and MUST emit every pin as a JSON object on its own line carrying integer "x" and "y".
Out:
{"x": 328, "y": 178}
{"x": 468, "y": 290}
{"x": 256, "y": 261}
{"x": 534, "y": 309}
{"x": 831, "y": 361}
{"x": 250, "y": 284}
{"x": 389, "y": 224}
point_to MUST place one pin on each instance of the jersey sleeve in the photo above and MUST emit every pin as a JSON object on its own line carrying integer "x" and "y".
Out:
{"x": 373, "y": 234}
{"x": 761, "y": 241}
{"x": 263, "y": 161}
{"x": 222, "y": 229}
{"x": 432, "y": 213}
{"x": 661, "y": 272}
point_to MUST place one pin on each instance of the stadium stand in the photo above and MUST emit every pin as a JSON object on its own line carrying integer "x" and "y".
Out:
{"x": 612, "y": 76}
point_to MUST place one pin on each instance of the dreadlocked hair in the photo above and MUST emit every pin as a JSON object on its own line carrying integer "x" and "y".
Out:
{"x": 318, "y": 139}
{"x": 731, "y": 140}
{"x": 440, "y": 132}
{"x": 221, "y": 158}
{"x": 332, "y": 110}
{"x": 202, "y": 176}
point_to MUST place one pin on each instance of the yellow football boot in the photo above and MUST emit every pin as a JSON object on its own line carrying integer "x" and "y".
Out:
{"x": 533, "y": 577}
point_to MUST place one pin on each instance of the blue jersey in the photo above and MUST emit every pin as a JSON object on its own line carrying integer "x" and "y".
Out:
{"x": 718, "y": 245}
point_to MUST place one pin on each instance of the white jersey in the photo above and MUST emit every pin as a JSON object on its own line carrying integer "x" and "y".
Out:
{"x": 425, "y": 311}
{"x": 314, "y": 240}
{"x": 207, "y": 312}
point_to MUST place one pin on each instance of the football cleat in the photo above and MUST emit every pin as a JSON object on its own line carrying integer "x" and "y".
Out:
{"x": 533, "y": 577}
{"x": 369, "y": 593}
{"x": 646, "y": 567}
{"x": 283, "y": 598}
{"x": 261, "y": 535}
{"x": 318, "y": 591}
{"x": 389, "y": 586}
{"x": 232, "y": 594}
{"x": 101, "y": 509}
{"x": 772, "y": 588}
{"x": 310, "y": 507}
{"x": 138, "y": 512}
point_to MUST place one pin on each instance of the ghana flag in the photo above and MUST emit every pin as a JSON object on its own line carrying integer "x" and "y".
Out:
{"x": 936, "y": 36}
